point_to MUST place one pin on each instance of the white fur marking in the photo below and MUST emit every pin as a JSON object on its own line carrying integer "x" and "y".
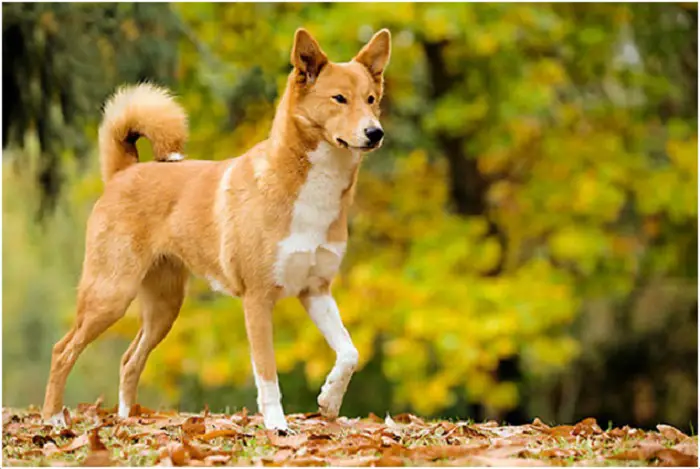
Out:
{"x": 217, "y": 286}
{"x": 317, "y": 206}
{"x": 324, "y": 313}
{"x": 175, "y": 157}
{"x": 58, "y": 420}
{"x": 270, "y": 403}
{"x": 225, "y": 183}
{"x": 222, "y": 215}
{"x": 260, "y": 165}
{"x": 124, "y": 408}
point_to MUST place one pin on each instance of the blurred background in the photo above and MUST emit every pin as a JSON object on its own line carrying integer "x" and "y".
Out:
{"x": 524, "y": 245}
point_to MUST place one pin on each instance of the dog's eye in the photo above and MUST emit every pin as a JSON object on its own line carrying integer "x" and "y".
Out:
{"x": 370, "y": 100}
{"x": 340, "y": 98}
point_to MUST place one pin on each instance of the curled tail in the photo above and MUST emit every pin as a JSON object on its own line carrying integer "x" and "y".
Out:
{"x": 141, "y": 110}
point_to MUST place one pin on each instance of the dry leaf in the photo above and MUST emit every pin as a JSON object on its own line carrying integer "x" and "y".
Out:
{"x": 587, "y": 427}
{"x": 98, "y": 459}
{"x": 292, "y": 441}
{"x": 672, "y": 457}
{"x": 671, "y": 433}
{"x": 505, "y": 462}
{"x": 78, "y": 442}
{"x": 219, "y": 434}
{"x": 194, "y": 426}
{"x": 403, "y": 439}
{"x": 218, "y": 458}
{"x": 644, "y": 452}
{"x": 688, "y": 446}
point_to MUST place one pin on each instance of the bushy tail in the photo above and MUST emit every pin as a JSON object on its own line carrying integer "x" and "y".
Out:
{"x": 140, "y": 110}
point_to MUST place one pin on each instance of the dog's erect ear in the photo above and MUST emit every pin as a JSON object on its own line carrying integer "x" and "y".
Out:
{"x": 375, "y": 55}
{"x": 307, "y": 56}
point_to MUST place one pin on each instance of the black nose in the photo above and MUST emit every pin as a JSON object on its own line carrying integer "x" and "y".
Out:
{"x": 374, "y": 134}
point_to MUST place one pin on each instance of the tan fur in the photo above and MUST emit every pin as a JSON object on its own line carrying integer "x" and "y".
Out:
{"x": 145, "y": 110}
{"x": 221, "y": 220}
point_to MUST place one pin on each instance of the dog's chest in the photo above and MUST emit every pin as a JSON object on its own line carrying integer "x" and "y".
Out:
{"x": 305, "y": 257}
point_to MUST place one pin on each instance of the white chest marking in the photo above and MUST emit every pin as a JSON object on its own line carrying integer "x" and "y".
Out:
{"x": 305, "y": 257}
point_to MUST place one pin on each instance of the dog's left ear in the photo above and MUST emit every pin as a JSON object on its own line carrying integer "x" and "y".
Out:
{"x": 375, "y": 55}
{"x": 307, "y": 56}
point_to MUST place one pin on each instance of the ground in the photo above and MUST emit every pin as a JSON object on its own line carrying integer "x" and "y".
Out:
{"x": 97, "y": 437}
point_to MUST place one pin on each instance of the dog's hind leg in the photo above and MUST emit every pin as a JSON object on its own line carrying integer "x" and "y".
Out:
{"x": 101, "y": 302}
{"x": 161, "y": 295}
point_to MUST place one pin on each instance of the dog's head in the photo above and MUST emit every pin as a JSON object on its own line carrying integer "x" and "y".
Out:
{"x": 341, "y": 100}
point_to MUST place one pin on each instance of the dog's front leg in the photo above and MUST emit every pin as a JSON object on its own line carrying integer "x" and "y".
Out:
{"x": 258, "y": 320}
{"x": 324, "y": 313}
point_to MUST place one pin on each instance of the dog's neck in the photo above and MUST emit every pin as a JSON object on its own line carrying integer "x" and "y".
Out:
{"x": 297, "y": 144}
{"x": 293, "y": 132}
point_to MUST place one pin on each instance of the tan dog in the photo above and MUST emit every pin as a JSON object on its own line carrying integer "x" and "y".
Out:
{"x": 267, "y": 225}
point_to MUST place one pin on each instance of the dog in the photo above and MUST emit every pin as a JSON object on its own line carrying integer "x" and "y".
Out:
{"x": 269, "y": 224}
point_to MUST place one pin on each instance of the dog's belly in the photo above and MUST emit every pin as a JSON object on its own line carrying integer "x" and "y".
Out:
{"x": 310, "y": 267}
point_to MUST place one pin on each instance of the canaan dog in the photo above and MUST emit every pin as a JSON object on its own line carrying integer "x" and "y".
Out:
{"x": 269, "y": 224}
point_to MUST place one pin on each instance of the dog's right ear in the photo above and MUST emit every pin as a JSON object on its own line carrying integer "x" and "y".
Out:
{"x": 307, "y": 57}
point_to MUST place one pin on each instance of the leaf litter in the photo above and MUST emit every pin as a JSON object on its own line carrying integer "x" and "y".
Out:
{"x": 96, "y": 437}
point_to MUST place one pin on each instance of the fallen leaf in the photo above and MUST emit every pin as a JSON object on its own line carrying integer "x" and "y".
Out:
{"x": 138, "y": 411}
{"x": 241, "y": 418}
{"x": 292, "y": 441}
{"x": 671, "y": 433}
{"x": 644, "y": 452}
{"x": 688, "y": 446}
{"x": 308, "y": 461}
{"x": 218, "y": 458}
{"x": 78, "y": 442}
{"x": 506, "y": 462}
{"x": 538, "y": 423}
{"x": 389, "y": 422}
{"x": 95, "y": 442}
{"x": 98, "y": 459}
{"x": 192, "y": 449}
{"x": 219, "y": 434}
{"x": 672, "y": 457}
{"x": 360, "y": 461}
{"x": 587, "y": 427}
{"x": 175, "y": 454}
{"x": 194, "y": 426}
{"x": 561, "y": 431}
{"x": 66, "y": 417}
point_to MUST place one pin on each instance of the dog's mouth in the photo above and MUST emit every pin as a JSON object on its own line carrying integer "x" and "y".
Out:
{"x": 345, "y": 144}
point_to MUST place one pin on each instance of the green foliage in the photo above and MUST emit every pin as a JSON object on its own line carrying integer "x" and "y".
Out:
{"x": 64, "y": 61}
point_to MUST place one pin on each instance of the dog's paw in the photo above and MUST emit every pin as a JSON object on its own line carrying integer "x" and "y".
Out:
{"x": 273, "y": 419}
{"x": 59, "y": 419}
{"x": 329, "y": 403}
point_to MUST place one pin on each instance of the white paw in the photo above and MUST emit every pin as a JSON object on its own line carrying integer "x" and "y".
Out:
{"x": 124, "y": 407}
{"x": 124, "y": 410}
{"x": 330, "y": 400}
{"x": 273, "y": 417}
{"x": 58, "y": 420}
{"x": 332, "y": 392}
